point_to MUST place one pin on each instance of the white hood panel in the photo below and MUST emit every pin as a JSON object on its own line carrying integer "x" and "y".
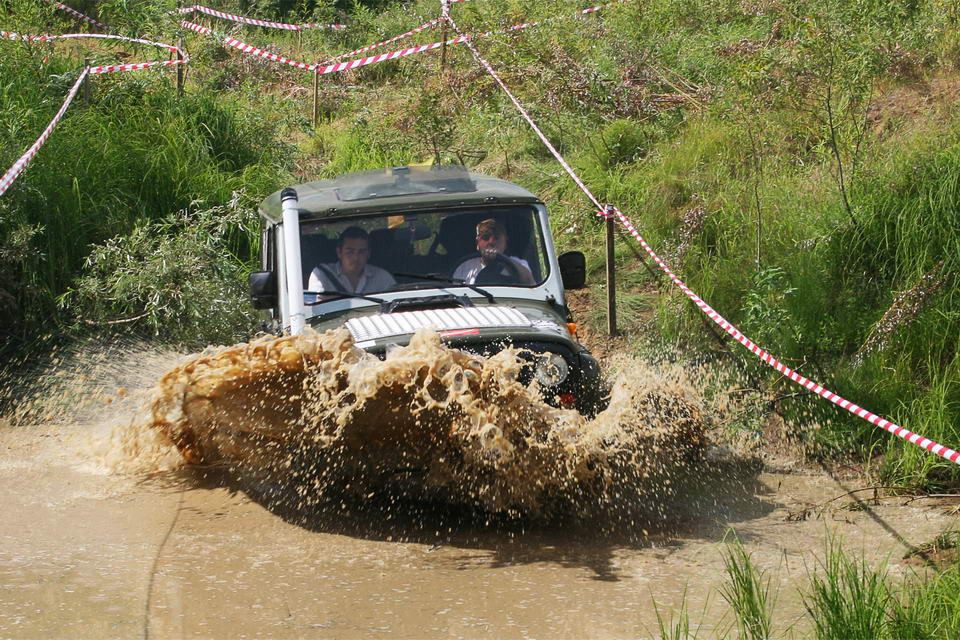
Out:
{"x": 407, "y": 322}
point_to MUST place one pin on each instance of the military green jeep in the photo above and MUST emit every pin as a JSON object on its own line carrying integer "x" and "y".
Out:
{"x": 389, "y": 252}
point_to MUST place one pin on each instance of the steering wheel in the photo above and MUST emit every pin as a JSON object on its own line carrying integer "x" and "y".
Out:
{"x": 493, "y": 272}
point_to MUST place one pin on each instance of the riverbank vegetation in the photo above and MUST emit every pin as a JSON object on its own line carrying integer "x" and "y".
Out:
{"x": 845, "y": 597}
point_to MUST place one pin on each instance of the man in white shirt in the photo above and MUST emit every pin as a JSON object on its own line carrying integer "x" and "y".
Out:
{"x": 351, "y": 273}
{"x": 491, "y": 245}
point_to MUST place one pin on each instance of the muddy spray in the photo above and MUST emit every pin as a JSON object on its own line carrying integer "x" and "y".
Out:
{"x": 427, "y": 423}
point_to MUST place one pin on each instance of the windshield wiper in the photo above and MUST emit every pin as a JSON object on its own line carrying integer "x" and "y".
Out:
{"x": 457, "y": 281}
{"x": 342, "y": 294}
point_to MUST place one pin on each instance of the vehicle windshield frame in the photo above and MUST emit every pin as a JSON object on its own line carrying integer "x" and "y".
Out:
{"x": 423, "y": 233}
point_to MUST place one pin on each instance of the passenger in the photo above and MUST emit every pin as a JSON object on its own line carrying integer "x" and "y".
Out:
{"x": 351, "y": 273}
{"x": 492, "y": 245}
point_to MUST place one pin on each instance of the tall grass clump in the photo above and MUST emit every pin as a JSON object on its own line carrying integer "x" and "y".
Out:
{"x": 677, "y": 625}
{"x": 848, "y": 599}
{"x": 930, "y": 607}
{"x": 747, "y": 593}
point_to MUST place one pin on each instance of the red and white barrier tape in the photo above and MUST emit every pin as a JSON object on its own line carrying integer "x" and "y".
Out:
{"x": 355, "y": 52}
{"x": 526, "y": 116}
{"x": 76, "y": 13}
{"x": 65, "y": 36}
{"x": 317, "y": 68}
{"x": 393, "y": 55}
{"x": 872, "y": 418}
{"x": 10, "y": 35}
{"x": 248, "y": 48}
{"x": 259, "y": 23}
{"x": 330, "y": 66}
{"x": 135, "y": 66}
{"x": 21, "y": 164}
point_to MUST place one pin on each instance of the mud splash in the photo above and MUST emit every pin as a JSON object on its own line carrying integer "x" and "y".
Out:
{"x": 92, "y": 393}
{"x": 426, "y": 423}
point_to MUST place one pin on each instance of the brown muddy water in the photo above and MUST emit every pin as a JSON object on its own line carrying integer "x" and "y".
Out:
{"x": 427, "y": 496}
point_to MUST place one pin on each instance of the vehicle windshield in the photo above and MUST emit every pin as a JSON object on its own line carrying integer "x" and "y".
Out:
{"x": 371, "y": 254}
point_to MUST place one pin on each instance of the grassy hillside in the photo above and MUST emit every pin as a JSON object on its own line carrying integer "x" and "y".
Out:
{"x": 797, "y": 163}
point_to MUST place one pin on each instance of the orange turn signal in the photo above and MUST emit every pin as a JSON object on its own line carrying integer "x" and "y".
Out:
{"x": 572, "y": 328}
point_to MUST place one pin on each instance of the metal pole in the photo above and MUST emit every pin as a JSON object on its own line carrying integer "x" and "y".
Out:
{"x": 291, "y": 245}
{"x": 316, "y": 99}
{"x": 180, "y": 67}
{"x": 611, "y": 277}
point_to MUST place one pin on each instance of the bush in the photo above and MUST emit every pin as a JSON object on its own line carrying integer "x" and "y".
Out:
{"x": 176, "y": 280}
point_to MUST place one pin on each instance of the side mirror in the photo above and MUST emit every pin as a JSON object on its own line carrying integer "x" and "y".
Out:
{"x": 573, "y": 269}
{"x": 263, "y": 289}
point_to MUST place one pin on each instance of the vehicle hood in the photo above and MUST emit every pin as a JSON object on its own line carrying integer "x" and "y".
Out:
{"x": 507, "y": 320}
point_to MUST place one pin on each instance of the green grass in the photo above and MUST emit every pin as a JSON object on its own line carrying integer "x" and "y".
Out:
{"x": 930, "y": 608}
{"x": 747, "y": 593}
{"x": 676, "y": 626}
{"x": 845, "y": 599}
{"x": 848, "y": 599}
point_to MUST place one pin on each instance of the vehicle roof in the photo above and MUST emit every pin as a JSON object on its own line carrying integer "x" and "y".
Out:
{"x": 398, "y": 189}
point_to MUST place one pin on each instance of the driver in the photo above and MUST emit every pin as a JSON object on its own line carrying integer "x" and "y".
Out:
{"x": 350, "y": 272}
{"x": 492, "y": 245}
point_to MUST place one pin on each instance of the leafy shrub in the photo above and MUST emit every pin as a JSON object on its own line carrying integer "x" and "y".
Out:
{"x": 175, "y": 280}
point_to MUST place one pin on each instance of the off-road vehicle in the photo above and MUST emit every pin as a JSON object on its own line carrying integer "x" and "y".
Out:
{"x": 421, "y": 223}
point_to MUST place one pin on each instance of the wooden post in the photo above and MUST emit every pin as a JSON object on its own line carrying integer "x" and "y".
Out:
{"x": 316, "y": 99}
{"x": 444, "y": 12}
{"x": 180, "y": 67}
{"x": 87, "y": 88}
{"x": 443, "y": 48}
{"x": 611, "y": 278}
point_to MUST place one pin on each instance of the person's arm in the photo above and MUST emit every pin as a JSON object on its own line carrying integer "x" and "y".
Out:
{"x": 378, "y": 280}
{"x": 462, "y": 271}
{"x": 320, "y": 281}
{"x": 523, "y": 270}
{"x": 385, "y": 280}
{"x": 316, "y": 281}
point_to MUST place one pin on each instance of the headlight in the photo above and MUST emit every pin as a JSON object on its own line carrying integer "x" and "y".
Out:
{"x": 550, "y": 369}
